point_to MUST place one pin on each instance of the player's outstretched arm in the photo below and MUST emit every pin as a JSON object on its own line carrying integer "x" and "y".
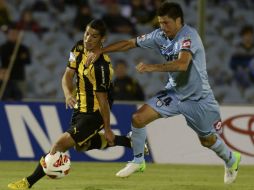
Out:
{"x": 115, "y": 47}
{"x": 120, "y": 46}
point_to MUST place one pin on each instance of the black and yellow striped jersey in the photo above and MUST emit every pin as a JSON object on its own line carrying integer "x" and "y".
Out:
{"x": 95, "y": 77}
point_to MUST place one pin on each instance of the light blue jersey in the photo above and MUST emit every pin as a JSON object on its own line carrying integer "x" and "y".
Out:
{"x": 187, "y": 92}
{"x": 192, "y": 84}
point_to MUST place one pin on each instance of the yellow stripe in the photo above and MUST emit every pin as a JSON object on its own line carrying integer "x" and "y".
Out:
{"x": 96, "y": 131}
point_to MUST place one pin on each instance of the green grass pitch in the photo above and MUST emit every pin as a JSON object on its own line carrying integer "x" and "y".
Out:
{"x": 101, "y": 176}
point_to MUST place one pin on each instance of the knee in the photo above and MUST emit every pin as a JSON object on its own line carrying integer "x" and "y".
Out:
{"x": 137, "y": 120}
{"x": 59, "y": 146}
{"x": 208, "y": 141}
{"x": 64, "y": 143}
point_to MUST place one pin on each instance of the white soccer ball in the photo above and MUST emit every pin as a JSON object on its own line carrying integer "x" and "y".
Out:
{"x": 56, "y": 166}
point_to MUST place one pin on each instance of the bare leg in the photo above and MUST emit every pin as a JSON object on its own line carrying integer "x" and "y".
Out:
{"x": 64, "y": 143}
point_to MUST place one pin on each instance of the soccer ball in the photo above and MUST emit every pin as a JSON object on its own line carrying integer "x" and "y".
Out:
{"x": 56, "y": 166}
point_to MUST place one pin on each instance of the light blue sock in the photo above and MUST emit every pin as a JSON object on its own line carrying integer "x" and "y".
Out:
{"x": 138, "y": 138}
{"x": 223, "y": 152}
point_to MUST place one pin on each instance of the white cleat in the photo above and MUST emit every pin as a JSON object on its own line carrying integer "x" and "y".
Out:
{"x": 131, "y": 168}
{"x": 231, "y": 173}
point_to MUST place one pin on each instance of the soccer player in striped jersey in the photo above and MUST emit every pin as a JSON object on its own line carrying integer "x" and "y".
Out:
{"x": 91, "y": 102}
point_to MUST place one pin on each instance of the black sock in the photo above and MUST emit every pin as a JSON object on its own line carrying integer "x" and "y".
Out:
{"x": 122, "y": 141}
{"x": 97, "y": 142}
{"x": 37, "y": 175}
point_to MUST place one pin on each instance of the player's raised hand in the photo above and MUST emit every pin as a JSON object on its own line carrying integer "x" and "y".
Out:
{"x": 70, "y": 102}
{"x": 92, "y": 57}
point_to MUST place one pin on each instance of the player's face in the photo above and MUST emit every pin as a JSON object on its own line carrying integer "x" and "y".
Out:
{"x": 169, "y": 26}
{"x": 92, "y": 39}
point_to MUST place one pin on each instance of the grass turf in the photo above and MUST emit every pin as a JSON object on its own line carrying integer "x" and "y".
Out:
{"x": 101, "y": 176}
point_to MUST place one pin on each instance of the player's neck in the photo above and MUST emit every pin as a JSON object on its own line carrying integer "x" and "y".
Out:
{"x": 95, "y": 49}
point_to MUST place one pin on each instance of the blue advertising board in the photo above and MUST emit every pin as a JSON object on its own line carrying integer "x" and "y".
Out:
{"x": 28, "y": 130}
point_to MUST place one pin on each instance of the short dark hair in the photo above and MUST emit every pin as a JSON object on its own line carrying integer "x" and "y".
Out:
{"x": 246, "y": 29}
{"x": 172, "y": 10}
{"x": 98, "y": 25}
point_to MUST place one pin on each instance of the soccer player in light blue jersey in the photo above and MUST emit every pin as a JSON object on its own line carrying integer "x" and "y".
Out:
{"x": 187, "y": 91}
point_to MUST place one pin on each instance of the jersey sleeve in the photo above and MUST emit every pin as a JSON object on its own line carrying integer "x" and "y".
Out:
{"x": 147, "y": 40}
{"x": 102, "y": 76}
{"x": 189, "y": 43}
{"x": 75, "y": 51}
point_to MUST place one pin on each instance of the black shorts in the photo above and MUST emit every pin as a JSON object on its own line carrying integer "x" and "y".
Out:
{"x": 84, "y": 126}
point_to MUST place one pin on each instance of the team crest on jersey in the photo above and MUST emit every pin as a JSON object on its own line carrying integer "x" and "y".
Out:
{"x": 85, "y": 71}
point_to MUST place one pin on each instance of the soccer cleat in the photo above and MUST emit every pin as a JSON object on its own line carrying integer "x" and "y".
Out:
{"x": 146, "y": 149}
{"x": 20, "y": 185}
{"x": 131, "y": 168}
{"x": 231, "y": 173}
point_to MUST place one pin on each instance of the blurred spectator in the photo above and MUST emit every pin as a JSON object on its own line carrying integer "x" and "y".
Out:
{"x": 59, "y": 5}
{"x": 116, "y": 22}
{"x": 155, "y": 5}
{"x": 27, "y": 22}
{"x": 5, "y": 18}
{"x": 40, "y": 6}
{"x": 125, "y": 87}
{"x": 83, "y": 17}
{"x": 140, "y": 12}
{"x": 242, "y": 56}
{"x": 246, "y": 46}
{"x": 15, "y": 88}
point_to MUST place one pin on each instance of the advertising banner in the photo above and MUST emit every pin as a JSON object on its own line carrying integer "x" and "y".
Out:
{"x": 172, "y": 141}
{"x": 28, "y": 130}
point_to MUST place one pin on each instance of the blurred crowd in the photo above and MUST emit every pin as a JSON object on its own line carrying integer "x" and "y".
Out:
{"x": 51, "y": 28}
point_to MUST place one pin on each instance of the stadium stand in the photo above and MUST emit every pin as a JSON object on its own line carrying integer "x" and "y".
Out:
{"x": 50, "y": 49}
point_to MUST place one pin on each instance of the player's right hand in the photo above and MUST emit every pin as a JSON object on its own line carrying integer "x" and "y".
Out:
{"x": 70, "y": 102}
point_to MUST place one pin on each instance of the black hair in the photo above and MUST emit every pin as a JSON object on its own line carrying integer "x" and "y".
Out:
{"x": 246, "y": 29}
{"x": 99, "y": 25}
{"x": 172, "y": 10}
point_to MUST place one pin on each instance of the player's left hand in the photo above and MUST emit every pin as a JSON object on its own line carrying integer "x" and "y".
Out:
{"x": 110, "y": 137}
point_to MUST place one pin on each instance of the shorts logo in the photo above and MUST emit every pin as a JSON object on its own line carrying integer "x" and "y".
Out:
{"x": 218, "y": 127}
{"x": 159, "y": 103}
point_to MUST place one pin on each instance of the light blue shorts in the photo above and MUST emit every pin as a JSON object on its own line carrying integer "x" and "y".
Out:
{"x": 203, "y": 115}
